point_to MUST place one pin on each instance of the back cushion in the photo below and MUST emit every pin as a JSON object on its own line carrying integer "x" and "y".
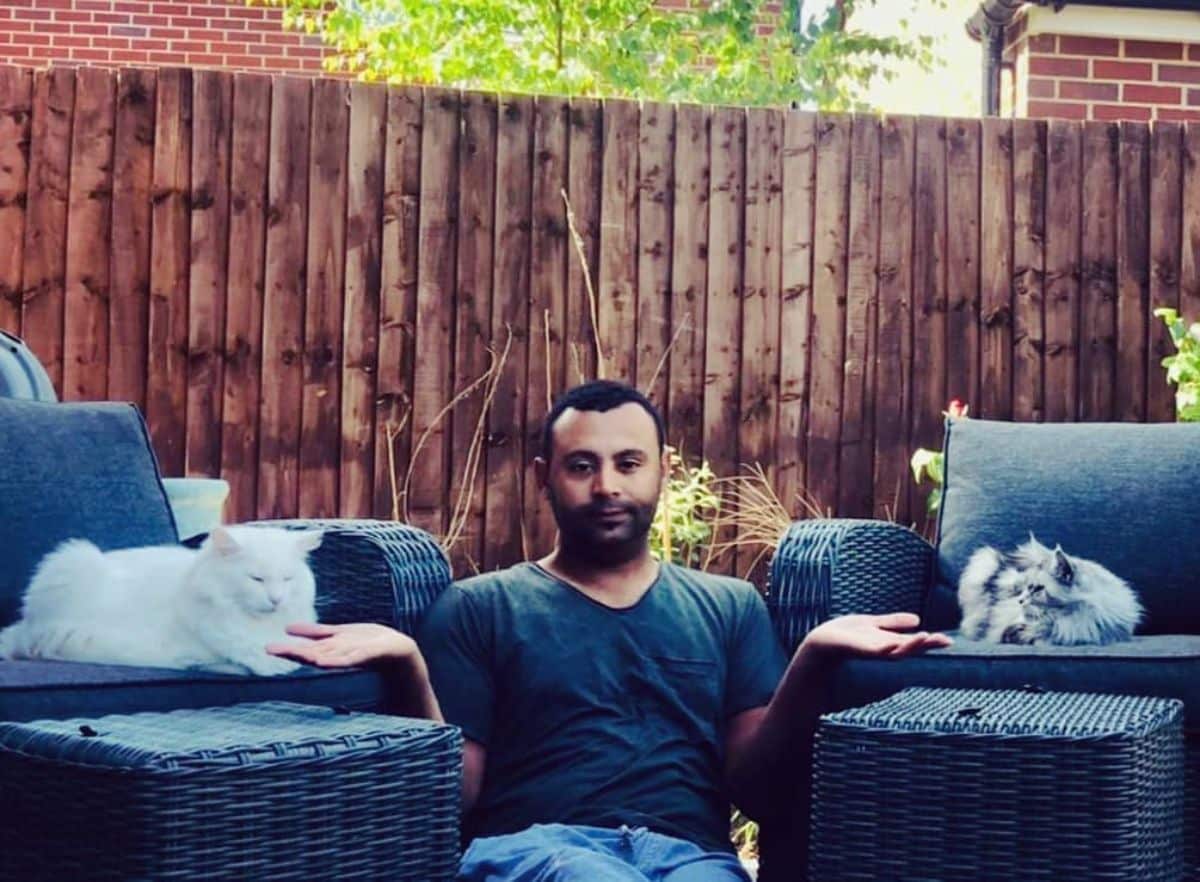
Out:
{"x": 73, "y": 471}
{"x": 1124, "y": 494}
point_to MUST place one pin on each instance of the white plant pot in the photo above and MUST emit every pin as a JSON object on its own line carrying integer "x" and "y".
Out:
{"x": 197, "y": 503}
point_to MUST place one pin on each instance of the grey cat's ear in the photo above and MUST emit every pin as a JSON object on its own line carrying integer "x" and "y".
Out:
{"x": 309, "y": 540}
{"x": 222, "y": 541}
{"x": 1063, "y": 571}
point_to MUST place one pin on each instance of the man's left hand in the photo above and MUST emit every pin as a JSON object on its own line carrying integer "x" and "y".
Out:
{"x": 865, "y": 635}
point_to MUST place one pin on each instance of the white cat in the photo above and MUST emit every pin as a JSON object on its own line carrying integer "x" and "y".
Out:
{"x": 215, "y": 608}
{"x": 1039, "y": 595}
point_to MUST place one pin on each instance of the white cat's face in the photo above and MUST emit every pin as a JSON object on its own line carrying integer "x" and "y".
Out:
{"x": 263, "y": 569}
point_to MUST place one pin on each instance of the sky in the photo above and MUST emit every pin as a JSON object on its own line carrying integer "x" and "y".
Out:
{"x": 953, "y": 87}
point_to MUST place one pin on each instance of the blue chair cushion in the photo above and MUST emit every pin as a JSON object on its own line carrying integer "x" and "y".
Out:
{"x": 1165, "y": 665}
{"x": 73, "y": 471}
{"x": 33, "y": 690}
{"x": 1124, "y": 494}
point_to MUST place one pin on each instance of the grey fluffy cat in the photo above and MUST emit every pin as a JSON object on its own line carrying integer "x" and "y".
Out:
{"x": 1038, "y": 595}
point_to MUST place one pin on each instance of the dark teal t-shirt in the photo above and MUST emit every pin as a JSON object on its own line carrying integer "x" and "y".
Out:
{"x": 598, "y": 716}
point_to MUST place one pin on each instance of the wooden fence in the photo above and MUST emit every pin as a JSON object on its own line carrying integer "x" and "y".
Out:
{"x": 293, "y": 279}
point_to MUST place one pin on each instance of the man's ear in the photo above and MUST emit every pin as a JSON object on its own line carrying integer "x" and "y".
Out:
{"x": 541, "y": 470}
{"x": 664, "y": 465}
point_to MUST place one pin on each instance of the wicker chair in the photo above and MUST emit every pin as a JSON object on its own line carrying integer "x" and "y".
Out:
{"x": 1122, "y": 494}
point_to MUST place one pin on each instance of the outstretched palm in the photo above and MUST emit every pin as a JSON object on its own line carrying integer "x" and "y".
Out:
{"x": 339, "y": 646}
{"x": 867, "y": 635}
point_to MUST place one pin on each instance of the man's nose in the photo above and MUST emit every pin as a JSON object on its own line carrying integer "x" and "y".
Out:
{"x": 605, "y": 482}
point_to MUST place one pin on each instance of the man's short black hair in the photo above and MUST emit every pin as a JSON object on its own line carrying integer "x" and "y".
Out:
{"x": 600, "y": 395}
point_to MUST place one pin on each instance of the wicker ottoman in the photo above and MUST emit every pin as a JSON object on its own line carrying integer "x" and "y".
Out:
{"x": 254, "y": 791}
{"x": 973, "y": 785}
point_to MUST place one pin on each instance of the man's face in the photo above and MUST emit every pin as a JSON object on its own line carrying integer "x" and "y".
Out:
{"x": 603, "y": 480}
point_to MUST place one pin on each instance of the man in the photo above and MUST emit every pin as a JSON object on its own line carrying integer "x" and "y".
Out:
{"x": 612, "y": 705}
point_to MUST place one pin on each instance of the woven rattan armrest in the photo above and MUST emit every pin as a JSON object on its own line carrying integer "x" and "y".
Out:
{"x": 831, "y": 567}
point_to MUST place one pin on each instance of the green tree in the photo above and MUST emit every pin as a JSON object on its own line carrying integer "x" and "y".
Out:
{"x": 708, "y": 51}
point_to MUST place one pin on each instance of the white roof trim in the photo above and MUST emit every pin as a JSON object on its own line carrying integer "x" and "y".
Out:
{"x": 1078, "y": 19}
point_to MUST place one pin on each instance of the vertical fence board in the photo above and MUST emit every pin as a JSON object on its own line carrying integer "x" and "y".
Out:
{"x": 320, "y": 439}
{"x": 617, "y": 287}
{"x": 170, "y": 238}
{"x": 360, "y": 329}
{"x": 1189, "y": 276}
{"x": 212, "y": 123}
{"x": 723, "y": 333}
{"x": 761, "y": 279}
{"x": 129, "y": 251}
{"x": 795, "y": 308}
{"x": 1098, "y": 270}
{"x": 828, "y": 328}
{"x": 506, "y": 460}
{"x": 429, "y": 466}
{"x": 893, "y": 347}
{"x": 16, "y": 111}
{"x": 1029, "y": 253}
{"x": 248, "y": 166}
{"x": 473, "y": 332}
{"x": 585, "y": 166}
{"x": 45, "y": 231}
{"x": 398, "y": 296}
{"x": 929, "y": 294}
{"x": 963, "y": 147}
{"x": 857, "y": 445}
{"x": 996, "y": 271}
{"x": 760, "y": 291}
{"x": 283, "y": 306}
{"x": 1063, "y": 163}
{"x": 1133, "y": 272}
{"x": 89, "y": 216}
{"x": 1166, "y": 231}
{"x": 547, "y": 302}
{"x": 689, "y": 281}
{"x": 656, "y": 156}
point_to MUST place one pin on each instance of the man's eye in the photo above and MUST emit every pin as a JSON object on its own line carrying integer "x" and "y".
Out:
{"x": 580, "y": 467}
{"x": 628, "y": 465}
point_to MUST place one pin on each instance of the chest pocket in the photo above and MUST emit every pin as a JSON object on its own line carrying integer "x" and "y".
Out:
{"x": 692, "y": 686}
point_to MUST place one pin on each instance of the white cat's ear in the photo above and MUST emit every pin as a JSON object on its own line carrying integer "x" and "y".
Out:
{"x": 309, "y": 540}
{"x": 222, "y": 541}
{"x": 1063, "y": 571}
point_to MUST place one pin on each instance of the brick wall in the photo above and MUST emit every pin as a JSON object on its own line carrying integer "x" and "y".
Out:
{"x": 115, "y": 33}
{"x": 1102, "y": 77}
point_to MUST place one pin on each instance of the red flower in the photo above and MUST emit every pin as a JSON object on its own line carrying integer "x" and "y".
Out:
{"x": 957, "y": 410}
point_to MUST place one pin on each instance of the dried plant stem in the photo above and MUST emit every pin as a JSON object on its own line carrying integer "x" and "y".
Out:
{"x": 593, "y": 305}
{"x": 461, "y": 512}
{"x": 687, "y": 320}
{"x": 424, "y": 436}
{"x": 393, "y": 431}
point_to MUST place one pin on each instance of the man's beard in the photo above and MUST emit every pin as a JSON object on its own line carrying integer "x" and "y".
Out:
{"x": 583, "y": 534}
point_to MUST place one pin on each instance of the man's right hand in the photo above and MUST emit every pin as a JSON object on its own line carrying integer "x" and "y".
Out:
{"x": 340, "y": 646}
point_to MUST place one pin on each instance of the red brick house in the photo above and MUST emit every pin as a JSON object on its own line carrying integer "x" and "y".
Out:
{"x": 1101, "y": 60}
{"x": 117, "y": 33}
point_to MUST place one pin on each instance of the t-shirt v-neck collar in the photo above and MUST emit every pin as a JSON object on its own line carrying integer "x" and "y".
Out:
{"x": 575, "y": 589}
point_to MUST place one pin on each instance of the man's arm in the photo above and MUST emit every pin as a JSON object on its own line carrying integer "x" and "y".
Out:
{"x": 759, "y": 741}
{"x": 409, "y": 687}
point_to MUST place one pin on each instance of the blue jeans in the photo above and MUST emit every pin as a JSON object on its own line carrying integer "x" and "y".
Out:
{"x": 562, "y": 853}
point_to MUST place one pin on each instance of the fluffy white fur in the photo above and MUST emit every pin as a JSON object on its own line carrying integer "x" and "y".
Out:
{"x": 215, "y": 608}
{"x": 1038, "y": 595}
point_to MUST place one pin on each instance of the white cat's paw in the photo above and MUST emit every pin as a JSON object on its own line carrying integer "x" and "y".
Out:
{"x": 270, "y": 665}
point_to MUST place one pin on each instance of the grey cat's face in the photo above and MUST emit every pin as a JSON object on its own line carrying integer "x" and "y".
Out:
{"x": 1046, "y": 579}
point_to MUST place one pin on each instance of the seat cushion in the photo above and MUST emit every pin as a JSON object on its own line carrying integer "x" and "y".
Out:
{"x": 1165, "y": 665}
{"x": 31, "y": 690}
{"x": 1122, "y": 494}
{"x": 73, "y": 471}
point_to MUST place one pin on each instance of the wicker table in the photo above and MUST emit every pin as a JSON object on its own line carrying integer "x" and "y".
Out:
{"x": 955, "y": 784}
{"x": 254, "y": 791}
